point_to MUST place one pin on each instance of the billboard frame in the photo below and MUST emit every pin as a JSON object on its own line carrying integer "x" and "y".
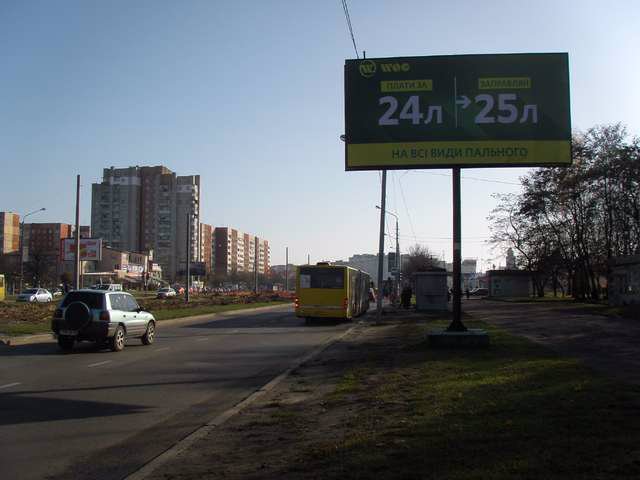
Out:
{"x": 558, "y": 145}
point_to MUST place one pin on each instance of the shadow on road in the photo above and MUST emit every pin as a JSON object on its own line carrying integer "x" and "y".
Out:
{"x": 16, "y": 408}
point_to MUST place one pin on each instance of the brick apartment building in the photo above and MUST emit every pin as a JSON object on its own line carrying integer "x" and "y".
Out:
{"x": 42, "y": 250}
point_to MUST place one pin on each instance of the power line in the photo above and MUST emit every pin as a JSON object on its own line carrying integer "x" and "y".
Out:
{"x": 345, "y": 7}
{"x": 476, "y": 178}
{"x": 404, "y": 201}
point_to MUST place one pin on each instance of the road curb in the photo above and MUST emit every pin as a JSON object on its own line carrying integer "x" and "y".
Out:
{"x": 187, "y": 442}
{"x": 13, "y": 341}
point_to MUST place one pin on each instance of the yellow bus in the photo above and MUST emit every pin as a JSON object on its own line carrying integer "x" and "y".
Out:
{"x": 2, "y": 288}
{"x": 331, "y": 291}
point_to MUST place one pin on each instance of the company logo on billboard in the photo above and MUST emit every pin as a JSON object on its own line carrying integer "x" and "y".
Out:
{"x": 368, "y": 68}
{"x": 394, "y": 67}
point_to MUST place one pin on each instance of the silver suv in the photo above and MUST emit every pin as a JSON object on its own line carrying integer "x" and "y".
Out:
{"x": 101, "y": 316}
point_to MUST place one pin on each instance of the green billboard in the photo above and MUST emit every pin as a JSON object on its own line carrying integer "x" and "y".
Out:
{"x": 461, "y": 110}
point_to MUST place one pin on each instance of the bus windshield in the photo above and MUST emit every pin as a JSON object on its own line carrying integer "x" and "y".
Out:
{"x": 322, "y": 277}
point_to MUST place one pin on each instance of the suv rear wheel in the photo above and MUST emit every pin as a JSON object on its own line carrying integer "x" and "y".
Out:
{"x": 116, "y": 343}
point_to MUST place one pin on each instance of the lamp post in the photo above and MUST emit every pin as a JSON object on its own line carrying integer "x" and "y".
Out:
{"x": 22, "y": 242}
{"x": 397, "y": 275}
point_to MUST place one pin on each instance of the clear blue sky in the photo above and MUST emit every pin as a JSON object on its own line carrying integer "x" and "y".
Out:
{"x": 250, "y": 96}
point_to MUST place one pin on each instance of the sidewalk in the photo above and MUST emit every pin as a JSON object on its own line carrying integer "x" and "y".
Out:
{"x": 381, "y": 404}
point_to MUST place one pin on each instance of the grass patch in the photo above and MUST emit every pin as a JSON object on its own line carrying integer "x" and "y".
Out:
{"x": 43, "y": 326}
{"x": 31, "y": 318}
{"x": 513, "y": 410}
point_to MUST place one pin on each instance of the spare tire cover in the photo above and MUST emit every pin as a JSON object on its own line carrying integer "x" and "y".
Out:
{"x": 77, "y": 315}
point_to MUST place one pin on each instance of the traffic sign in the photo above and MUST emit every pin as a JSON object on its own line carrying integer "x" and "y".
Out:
{"x": 456, "y": 111}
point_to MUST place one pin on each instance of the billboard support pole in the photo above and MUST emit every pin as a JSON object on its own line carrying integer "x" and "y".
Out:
{"x": 456, "y": 324}
{"x": 383, "y": 205}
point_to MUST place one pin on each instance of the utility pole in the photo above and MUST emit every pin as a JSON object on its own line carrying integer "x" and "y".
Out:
{"x": 255, "y": 263}
{"x": 308, "y": 259}
{"x": 398, "y": 263}
{"x": 77, "y": 269}
{"x": 286, "y": 269}
{"x": 188, "y": 256}
{"x": 383, "y": 204}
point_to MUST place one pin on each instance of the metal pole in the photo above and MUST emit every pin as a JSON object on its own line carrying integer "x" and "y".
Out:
{"x": 383, "y": 201}
{"x": 255, "y": 264}
{"x": 76, "y": 267}
{"x": 21, "y": 252}
{"x": 188, "y": 256}
{"x": 286, "y": 269}
{"x": 308, "y": 259}
{"x": 456, "y": 324}
{"x": 397, "y": 289}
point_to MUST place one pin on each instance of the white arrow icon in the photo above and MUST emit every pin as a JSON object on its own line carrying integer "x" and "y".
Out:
{"x": 464, "y": 101}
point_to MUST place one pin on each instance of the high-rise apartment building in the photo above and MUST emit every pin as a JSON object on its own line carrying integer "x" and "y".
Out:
{"x": 235, "y": 251}
{"x": 146, "y": 208}
{"x": 9, "y": 232}
{"x": 264, "y": 256}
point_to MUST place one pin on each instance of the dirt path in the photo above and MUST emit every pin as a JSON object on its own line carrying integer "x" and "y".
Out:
{"x": 609, "y": 345}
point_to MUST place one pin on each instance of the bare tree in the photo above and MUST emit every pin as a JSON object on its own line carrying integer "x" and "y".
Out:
{"x": 419, "y": 259}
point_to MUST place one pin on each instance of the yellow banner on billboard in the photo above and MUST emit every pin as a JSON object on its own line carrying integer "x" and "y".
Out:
{"x": 451, "y": 153}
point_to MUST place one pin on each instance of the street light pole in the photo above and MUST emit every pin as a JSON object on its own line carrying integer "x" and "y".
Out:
{"x": 22, "y": 243}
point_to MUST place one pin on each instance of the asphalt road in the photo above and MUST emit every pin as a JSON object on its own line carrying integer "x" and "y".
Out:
{"x": 96, "y": 414}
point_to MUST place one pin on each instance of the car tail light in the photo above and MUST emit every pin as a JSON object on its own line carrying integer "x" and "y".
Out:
{"x": 104, "y": 316}
{"x": 345, "y": 303}
{"x": 296, "y": 302}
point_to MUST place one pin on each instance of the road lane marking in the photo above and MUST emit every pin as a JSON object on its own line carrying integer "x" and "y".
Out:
{"x": 202, "y": 339}
{"x": 99, "y": 363}
{"x": 162, "y": 349}
{"x": 9, "y": 385}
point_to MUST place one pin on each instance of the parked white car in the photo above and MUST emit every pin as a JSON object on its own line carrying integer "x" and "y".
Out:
{"x": 40, "y": 295}
{"x": 109, "y": 287}
{"x": 166, "y": 292}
